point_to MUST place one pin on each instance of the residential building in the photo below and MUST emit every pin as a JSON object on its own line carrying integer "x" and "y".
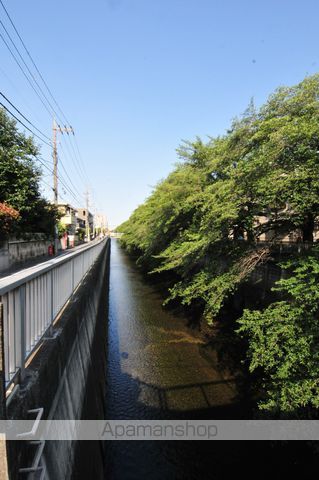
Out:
{"x": 85, "y": 219}
{"x": 69, "y": 222}
{"x": 68, "y": 219}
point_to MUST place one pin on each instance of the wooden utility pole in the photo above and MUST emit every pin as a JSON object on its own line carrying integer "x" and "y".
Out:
{"x": 87, "y": 215}
{"x": 55, "y": 164}
{"x": 56, "y": 128}
{"x": 64, "y": 129}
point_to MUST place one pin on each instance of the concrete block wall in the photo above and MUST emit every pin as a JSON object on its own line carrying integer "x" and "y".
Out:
{"x": 21, "y": 250}
{"x": 16, "y": 251}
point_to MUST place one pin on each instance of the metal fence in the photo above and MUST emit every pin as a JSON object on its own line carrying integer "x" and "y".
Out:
{"x": 32, "y": 300}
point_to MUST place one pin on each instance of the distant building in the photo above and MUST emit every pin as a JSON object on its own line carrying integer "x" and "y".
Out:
{"x": 85, "y": 218}
{"x": 68, "y": 219}
{"x": 100, "y": 223}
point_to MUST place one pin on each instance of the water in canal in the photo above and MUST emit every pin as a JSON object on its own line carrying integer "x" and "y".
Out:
{"x": 158, "y": 368}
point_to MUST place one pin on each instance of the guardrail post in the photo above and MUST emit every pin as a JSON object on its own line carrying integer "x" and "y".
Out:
{"x": 2, "y": 369}
{"x": 23, "y": 328}
{"x": 51, "y": 304}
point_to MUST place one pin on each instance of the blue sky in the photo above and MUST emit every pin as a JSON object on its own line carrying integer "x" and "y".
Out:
{"x": 135, "y": 77}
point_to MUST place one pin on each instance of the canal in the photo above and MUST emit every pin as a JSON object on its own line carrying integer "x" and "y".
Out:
{"x": 158, "y": 368}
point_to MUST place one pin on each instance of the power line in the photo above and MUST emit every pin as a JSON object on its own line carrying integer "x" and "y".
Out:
{"x": 61, "y": 180}
{"x": 33, "y": 62}
{"x": 22, "y": 97}
{"x": 48, "y": 162}
{"x": 23, "y": 116}
{"x": 75, "y": 154}
{"x": 18, "y": 120}
{"x": 44, "y": 162}
{"x": 80, "y": 156}
{"x": 26, "y": 76}
{"x": 80, "y": 160}
{"x": 31, "y": 131}
{"x": 26, "y": 65}
{"x": 66, "y": 173}
{"x": 70, "y": 154}
{"x": 33, "y": 77}
{"x": 50, "y": 186}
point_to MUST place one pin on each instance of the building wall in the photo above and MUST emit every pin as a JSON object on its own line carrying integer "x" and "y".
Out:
{"x": 69, "y": 217}
{"x": 82, "y": 217}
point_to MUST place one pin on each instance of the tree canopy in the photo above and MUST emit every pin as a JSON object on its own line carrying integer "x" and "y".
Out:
{"x": 19, "y": 180}
{"x": 204, "y": 223}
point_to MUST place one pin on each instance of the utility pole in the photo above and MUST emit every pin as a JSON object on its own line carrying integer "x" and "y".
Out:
{"x": 56, "y": 128}
{"x": 64, "y": 129}
{"x": 55, "y": 163}
{"x": 87, "y": 216}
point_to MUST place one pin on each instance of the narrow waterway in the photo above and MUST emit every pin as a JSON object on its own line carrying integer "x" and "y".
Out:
{"x": 157, "y": 368}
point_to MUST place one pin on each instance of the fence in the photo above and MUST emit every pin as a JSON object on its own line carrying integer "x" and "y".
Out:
{"x": 32, "y": 300}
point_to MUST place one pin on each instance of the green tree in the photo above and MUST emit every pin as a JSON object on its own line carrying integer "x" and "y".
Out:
{"x": 202, "y": 225}
{"x": 19, "y": 180}
{"x": 284, "y": 339}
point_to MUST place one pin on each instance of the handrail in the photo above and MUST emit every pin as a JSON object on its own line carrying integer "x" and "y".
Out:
{"x": 33, "y": 298}
{"x": 8, "y": 283}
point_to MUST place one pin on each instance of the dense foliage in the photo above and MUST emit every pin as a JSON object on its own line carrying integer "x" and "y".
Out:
{"x": 204, "y": 222}
{"x": 19, "y": 181}
{"x": 8, "y": 216}
{"x": 284, "y": 339}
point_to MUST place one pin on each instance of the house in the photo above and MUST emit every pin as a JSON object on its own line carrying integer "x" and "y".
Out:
{"x": 85, "y": 220}
{"x": 68, "y": 221}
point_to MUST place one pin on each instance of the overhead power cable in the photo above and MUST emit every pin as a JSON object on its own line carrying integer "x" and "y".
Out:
{"x": 47, "y": 184}
{"x": 33, "y": 62}
{"x": 74, "y": 153}
{"x": 61, "y": 180}
{"x": 66, "y": 173}
{"x": 81, "y": 159}
{"x": 44, "y": 162}
{"x": 70, "y": 153}
{"x": 23, "y": 116}
{"x": 24, "y": 125}
{"x": 26, "y": 65}
{"x": 25, "y": 75}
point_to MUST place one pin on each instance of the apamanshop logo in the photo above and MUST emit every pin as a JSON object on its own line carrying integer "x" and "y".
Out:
{"x": 117, "y": 430}
{"x": 162, "y": 430}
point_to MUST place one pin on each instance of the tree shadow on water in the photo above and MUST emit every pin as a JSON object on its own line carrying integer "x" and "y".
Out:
{"x": 191, "y": 459}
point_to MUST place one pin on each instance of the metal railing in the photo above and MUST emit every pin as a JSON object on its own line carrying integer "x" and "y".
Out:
{"x": 32, "y": 300}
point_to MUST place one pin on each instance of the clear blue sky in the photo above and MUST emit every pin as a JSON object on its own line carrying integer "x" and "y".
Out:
{"x": 135, "y": 77}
